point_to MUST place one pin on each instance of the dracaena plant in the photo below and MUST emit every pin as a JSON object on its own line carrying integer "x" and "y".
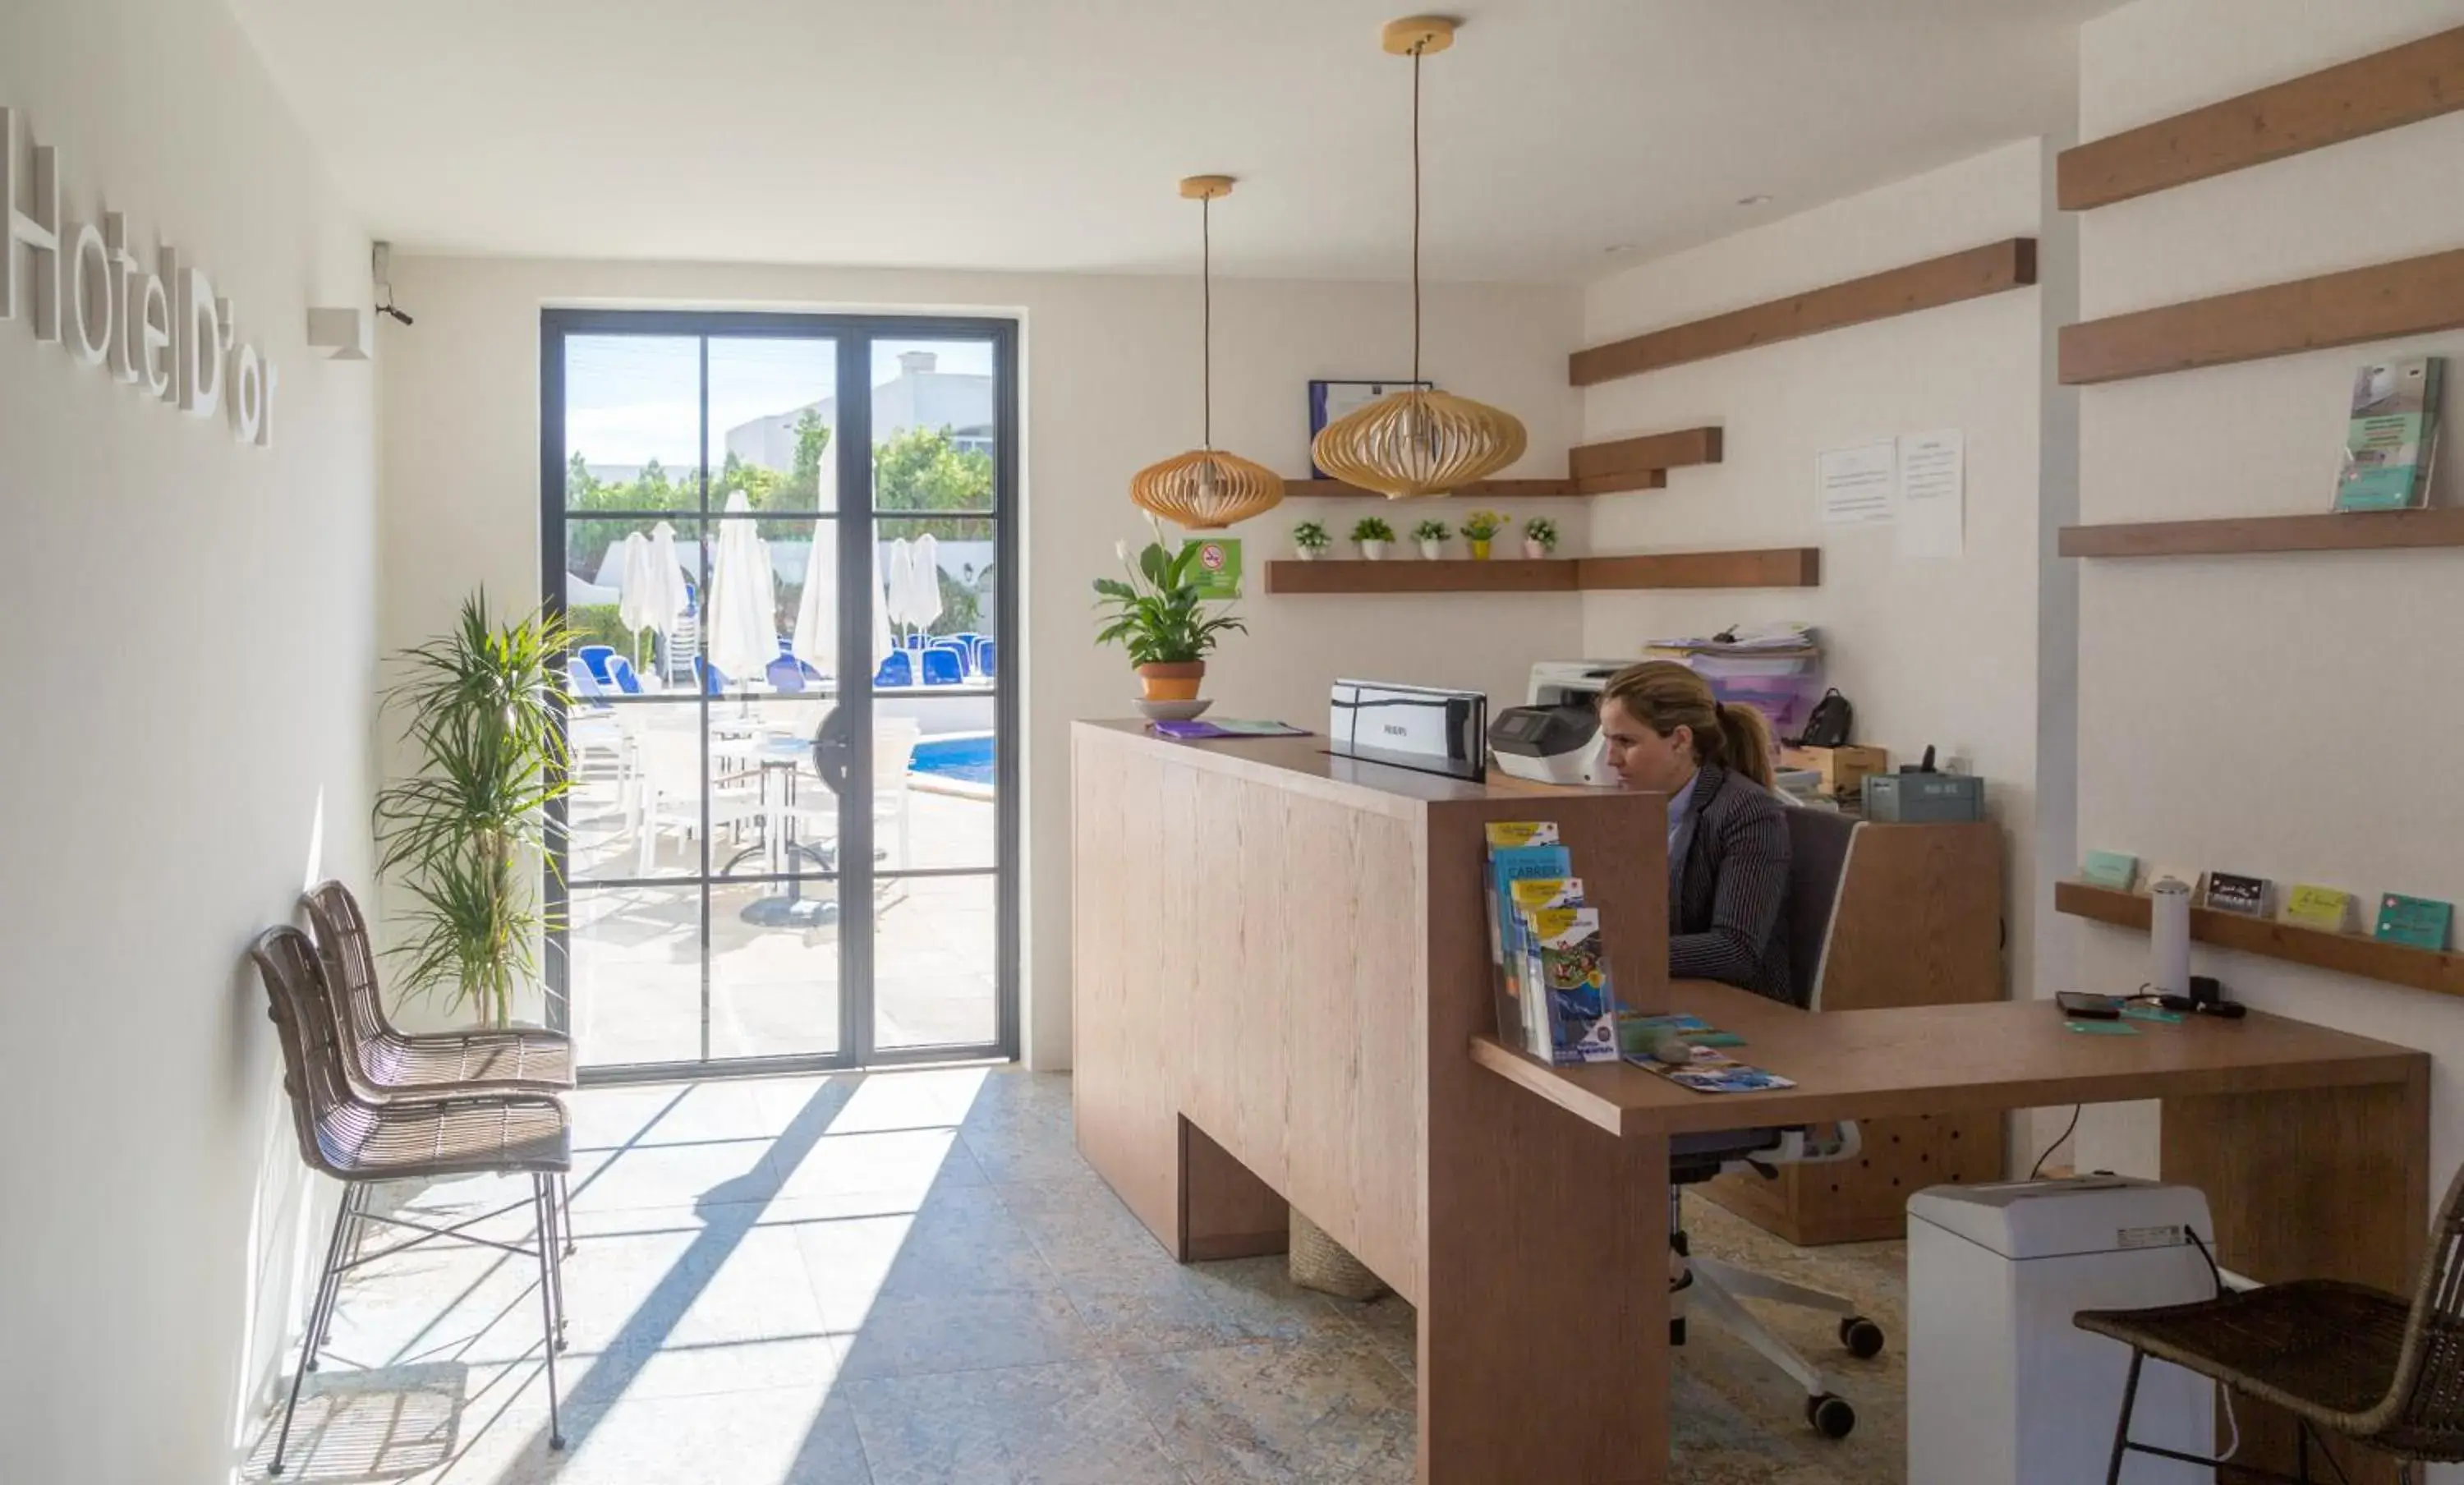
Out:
{"x": 1156, "y": 614}
{"x": 459, "y": 834}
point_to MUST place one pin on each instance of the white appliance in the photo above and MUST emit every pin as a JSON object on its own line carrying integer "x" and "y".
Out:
{"x": 2003, "y": 1390}
{"x": 1555, "y": 737}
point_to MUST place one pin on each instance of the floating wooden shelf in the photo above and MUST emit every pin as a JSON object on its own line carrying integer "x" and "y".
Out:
{"x": 1479, "y": 490}
{"x": 2414, "y": 296}
{"x": 1786, "y": 566}
{"x": 2420, "y": 79}
{"x": 1991, "y": 269}
{"x": 2354, "y": 531}
{"x": 2436, "y": 970}
{"x": 1640, "y": 463}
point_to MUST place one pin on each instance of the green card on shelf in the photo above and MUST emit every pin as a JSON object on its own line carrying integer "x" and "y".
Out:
{"x": 2111, "y": 869}
{"x": 2416, "y": 921}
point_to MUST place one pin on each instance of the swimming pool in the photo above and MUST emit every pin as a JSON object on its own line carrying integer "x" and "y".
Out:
{"x": 959, "y": 757}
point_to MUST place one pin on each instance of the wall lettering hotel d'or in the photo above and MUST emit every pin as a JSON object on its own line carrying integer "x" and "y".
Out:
{"x": 160, "y": 330}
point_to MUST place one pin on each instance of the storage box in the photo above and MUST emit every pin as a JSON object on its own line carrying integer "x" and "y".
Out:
{"x": 1842, "y": 769}
{"x": 1924, "y": 798}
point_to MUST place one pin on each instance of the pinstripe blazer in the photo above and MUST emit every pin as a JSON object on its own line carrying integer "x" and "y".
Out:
{"x": 1725, "y": 918}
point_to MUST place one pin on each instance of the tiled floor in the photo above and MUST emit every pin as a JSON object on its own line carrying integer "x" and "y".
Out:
{"x": 913, "y": 1278}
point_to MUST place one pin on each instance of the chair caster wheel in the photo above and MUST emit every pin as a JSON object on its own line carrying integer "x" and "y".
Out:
{"x": 1831, "y": 1416}
{"x": 1863, "y": 1338}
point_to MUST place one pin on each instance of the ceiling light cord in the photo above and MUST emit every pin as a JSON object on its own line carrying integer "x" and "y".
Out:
{"x": 1416, "y": 213}
{"x": 1206, "y": 313}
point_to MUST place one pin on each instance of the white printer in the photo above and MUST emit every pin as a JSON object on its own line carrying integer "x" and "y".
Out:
{"x": 1555, "y": 737}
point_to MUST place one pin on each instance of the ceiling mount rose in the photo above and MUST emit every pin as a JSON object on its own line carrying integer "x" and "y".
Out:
{"x": 1420, "y": 34}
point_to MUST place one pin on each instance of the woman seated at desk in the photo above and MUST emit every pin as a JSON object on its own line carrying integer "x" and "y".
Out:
{"x": 1728, "y": 838}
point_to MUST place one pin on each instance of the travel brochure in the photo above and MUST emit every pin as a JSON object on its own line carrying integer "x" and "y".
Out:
{"x": 1555, "y": 996}
{"x": 2391, "y": 436}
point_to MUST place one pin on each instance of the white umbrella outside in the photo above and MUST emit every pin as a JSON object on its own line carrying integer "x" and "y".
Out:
{"x": 901, "y": 582}
{"x": 926, "y": 609}
{"x": 740, "y": 619}
{"x": 817, "y": 626}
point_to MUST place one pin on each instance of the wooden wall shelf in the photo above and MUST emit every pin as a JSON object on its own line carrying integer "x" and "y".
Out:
{"x": 1991, "y": 269}
{"x": 2356, "y": 531}
{"x": 1479, "y": 490}
{"x": 1640, "y": 463}
{"x": 2437, "y": 971}
{"x": 1788, "y": 567}
{"x": 2406, "y": 84}
{"x": 2412, "y": 295}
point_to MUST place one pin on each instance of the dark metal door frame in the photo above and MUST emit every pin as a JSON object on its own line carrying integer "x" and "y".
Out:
{"x": 853, "y": 336}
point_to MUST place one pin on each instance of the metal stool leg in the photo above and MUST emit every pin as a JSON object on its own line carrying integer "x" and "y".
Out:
{"x": 564, "y": 1190}
{"x": 543, "y": 1202}
{"x": 327, "y": 1282}
{"x": 560, "y": 1243}
{"x": 2122, "y": 1429}
{"x": 329, "y": 1295}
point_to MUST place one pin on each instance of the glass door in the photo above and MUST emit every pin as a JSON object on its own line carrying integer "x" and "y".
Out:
{"x": 789, "y": 838}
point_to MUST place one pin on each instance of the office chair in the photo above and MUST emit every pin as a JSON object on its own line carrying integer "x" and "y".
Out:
{"x": 1818, "y": 846}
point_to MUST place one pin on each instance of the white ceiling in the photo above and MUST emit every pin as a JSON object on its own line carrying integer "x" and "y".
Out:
{"x": 1047, "y": 134}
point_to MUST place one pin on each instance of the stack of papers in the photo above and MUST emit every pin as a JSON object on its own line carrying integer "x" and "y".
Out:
{"x": 1745, "y": 639}
{"x": 1228, "y": 727}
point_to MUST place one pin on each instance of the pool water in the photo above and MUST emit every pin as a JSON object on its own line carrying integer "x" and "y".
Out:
{"x": 965, "y": 757}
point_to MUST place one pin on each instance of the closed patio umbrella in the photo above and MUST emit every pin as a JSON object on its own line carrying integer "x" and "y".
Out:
{"x": 926, "y": 609}
{"x": 817, "y": 629}
{"x": 740, "y": 619}
{"x": 900, "y": 582}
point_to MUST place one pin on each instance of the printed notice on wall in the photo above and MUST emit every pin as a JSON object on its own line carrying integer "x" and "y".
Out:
{"x": 1932, "y": 497}
{"x": 1858, "y": 486}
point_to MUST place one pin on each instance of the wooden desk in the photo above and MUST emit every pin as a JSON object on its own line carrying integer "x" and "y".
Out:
{"x": 2311, "y": 1144}
{"x": 1280, "y": 959}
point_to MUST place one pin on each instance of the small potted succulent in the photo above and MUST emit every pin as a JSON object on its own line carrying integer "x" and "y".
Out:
{"x": 1539, "y": 537}
{"x": 1373, "y": 534}
{"x": 1432, "y": 536}
{"x": 1311, "y": 540}
{"x": 1479, "y": 528}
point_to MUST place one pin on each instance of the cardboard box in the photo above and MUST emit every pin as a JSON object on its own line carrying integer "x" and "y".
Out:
{"x": 1844, "y": 770}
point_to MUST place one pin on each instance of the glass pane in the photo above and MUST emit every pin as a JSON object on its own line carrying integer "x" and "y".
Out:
{"x": 934, "y": 411}
{"x": 631, "y": 587}
{"x": 773, "y": 812}
{"x": 773, "y": 414}
{"x": 635, "y": 974}
{"x": 941, "y": 583}
{"x": 633, "y": 423}
{"x": 774, "y": 968}
{"x": 937, "y": 783}
{"x": 935, "y": 960}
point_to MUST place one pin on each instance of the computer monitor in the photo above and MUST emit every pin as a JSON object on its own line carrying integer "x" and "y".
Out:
{"x": 1422, "y": 727}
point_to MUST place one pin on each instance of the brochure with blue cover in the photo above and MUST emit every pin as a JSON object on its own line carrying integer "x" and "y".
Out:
{"x": 1518, "y": 850}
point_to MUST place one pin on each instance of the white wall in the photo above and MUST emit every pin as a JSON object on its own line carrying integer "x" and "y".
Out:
{"x": 1930, "y": 651}
{"x": 191, "y": 628}
{"x": 1111, "y": 383}
{"x": 2282, "y": 716}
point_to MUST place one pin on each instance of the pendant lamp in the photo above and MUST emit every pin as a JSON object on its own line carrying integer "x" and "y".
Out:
{"x": 1417, "y": 442}
{"x": 1206, "y": 489}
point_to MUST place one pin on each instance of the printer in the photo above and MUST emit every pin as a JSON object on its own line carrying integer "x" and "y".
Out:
{"x": 1555, "y": 737}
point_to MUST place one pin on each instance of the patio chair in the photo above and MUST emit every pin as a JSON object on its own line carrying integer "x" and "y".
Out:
{"x": 361, "y": 1145}
{"x": 672, "y": 786}
{"x": 596, "y": 657}
{"x": 713, "y": 679}
{"x": 941, "y": 667}
{"x": 620, "y": 670}
{"x": 987, "y": 656}
{"x": 897, "y": 669}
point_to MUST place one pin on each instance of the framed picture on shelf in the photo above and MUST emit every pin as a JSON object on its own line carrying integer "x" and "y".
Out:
{"x": 1330, "y": 400}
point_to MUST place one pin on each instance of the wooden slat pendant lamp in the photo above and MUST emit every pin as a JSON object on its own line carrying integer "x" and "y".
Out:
{"x": 1206, "y": 489}
{"x": 1418, "y": 442}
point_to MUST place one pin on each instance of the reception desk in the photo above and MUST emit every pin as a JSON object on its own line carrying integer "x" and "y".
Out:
{"x": 1281, "y": 960}
{"x": 1283, "y": 995}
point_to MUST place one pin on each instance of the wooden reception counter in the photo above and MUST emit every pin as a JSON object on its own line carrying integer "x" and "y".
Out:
{"x": 1281, "y": 960}
{"x": 1283, "y": 995}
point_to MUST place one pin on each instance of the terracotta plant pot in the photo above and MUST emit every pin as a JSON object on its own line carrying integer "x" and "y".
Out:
{"x": 1175, "y": 682}
{"x": 1479, "y": 547}
{"x": 1372, "y": 551}
{"x": 1536, "y": 550}
{"x": 1433, "y": 550}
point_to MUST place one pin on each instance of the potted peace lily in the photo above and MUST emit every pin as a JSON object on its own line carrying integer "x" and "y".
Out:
{"x": 1157, "y": 616}
{"x": 1311, "y": 540}
{"x": 1539, "y": 537}
{"x": 1432, "y": 535}
{"x": 1479, "y": 528}
{"x": 462, "y": 836}
{"x": 1372, "y": 533}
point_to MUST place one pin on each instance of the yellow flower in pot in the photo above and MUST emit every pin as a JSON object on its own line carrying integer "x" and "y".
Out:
{"x": 1157, "y": 617}
{"x": 1479, "y": 530}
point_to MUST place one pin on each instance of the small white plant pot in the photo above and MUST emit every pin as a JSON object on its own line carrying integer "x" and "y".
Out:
{"x": 1536, "y": 550}
{"x": 1309, "y": 553}
{"x": 1433, "y": 550}
{"x": 1372, "y": 552}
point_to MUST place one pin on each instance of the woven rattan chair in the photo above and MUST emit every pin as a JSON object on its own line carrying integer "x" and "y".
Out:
{"x": 2343, "y": 1358}
{"x": 360, "y": 1143}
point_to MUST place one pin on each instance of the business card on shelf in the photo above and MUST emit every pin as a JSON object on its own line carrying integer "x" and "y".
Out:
{"x": 2111, "y": 870}
{"x": 2417, "y": 922}
{"x": 2244, "y": 897}
{"x": 2324, "y": 908}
